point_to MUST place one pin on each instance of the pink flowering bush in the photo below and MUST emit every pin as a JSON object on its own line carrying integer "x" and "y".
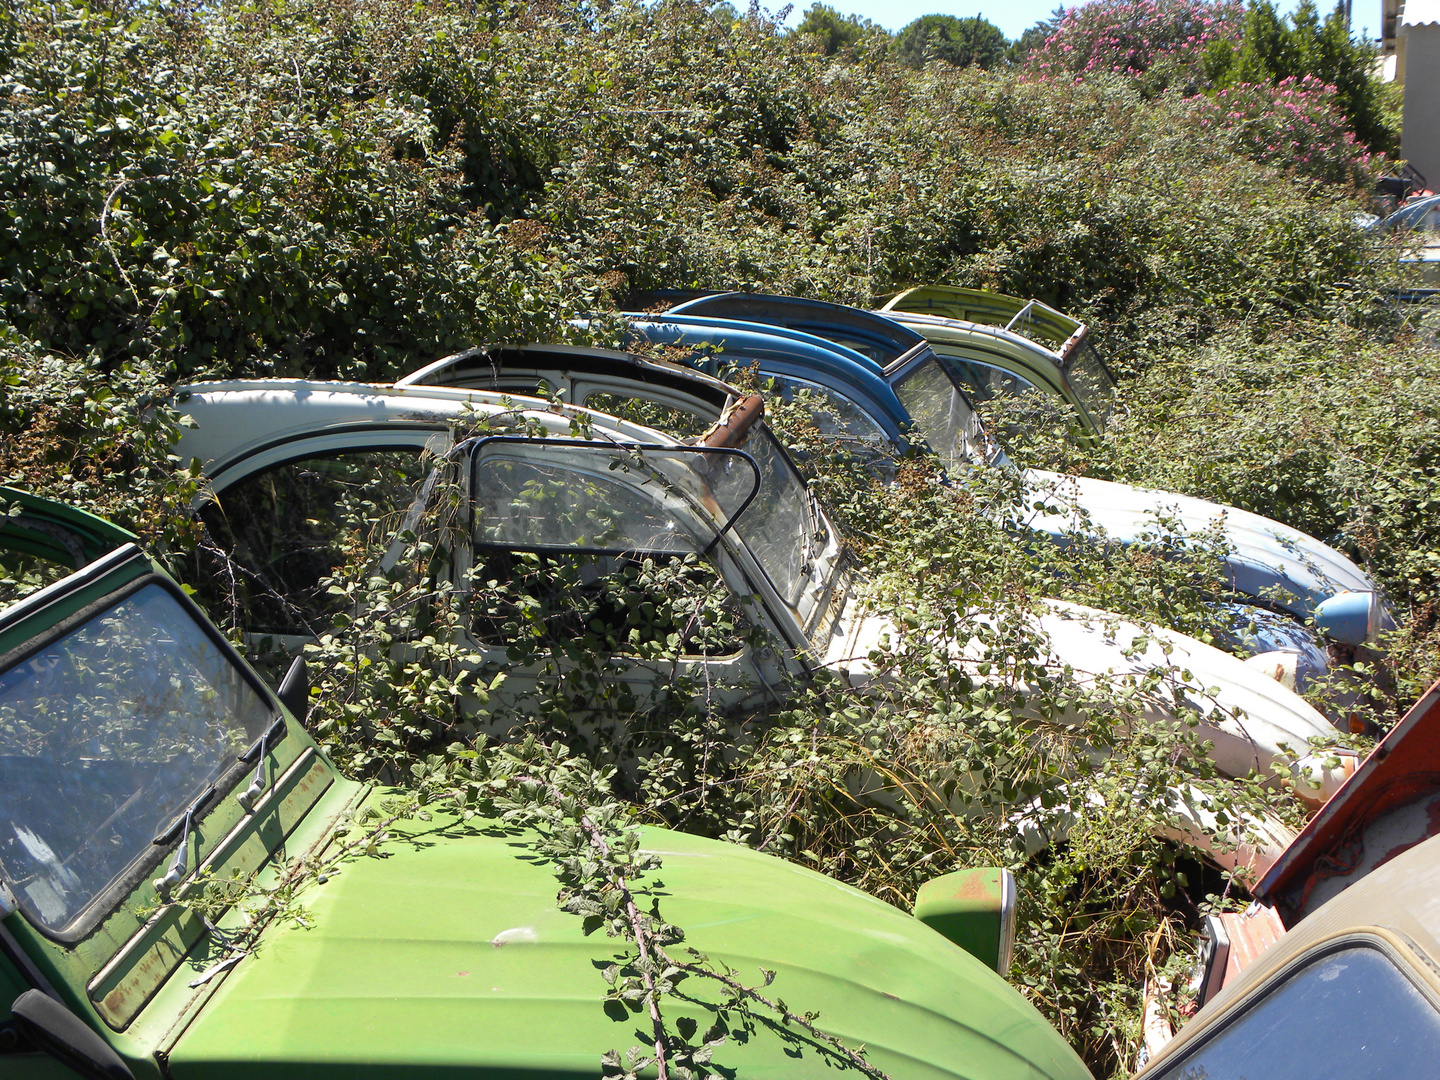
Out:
{"x": 1133, "y": 36}
{"x": 1295, "y": 124}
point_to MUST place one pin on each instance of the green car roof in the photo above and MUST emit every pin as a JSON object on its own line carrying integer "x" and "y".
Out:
{"x": 1028, "y": 317}
{"x": 448, "y": 957}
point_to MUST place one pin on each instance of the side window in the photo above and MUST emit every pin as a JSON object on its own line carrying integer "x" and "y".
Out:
{"x": 587, "y": 605}
{"x": 22, "y": 574}
{"x": 277, "y": 534}
{"x": 839, "y": 422}
{"x": 677, "y": 423}
{"x": 983, "y": 381}
{"x": 570, "y": 558}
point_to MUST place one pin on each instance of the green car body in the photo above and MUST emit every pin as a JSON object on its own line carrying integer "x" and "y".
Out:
{"x": 997, "y": 344}
{"x": 441, "y": 954}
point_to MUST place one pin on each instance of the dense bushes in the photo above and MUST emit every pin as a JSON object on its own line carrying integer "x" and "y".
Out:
{"x": 1270, "y": 52}
{"x": 191, "y": 197}
{"x": 1132, "y": 37}
{"x": 1294, "y": 125}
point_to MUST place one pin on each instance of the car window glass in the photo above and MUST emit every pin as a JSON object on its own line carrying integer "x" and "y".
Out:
{"x": 592, "y": 605}
{"x": 22, "y": 574}
{"x": 781, "y": 526}
{"x": 839, "y": 421}
{"x": 106, "y": 735}
{"x": 675, "y": 422}
{"x": 985, "y": 381}
{"x": 288, "y": 528}
{"x": 1092, "y": 383}
{"x": 588, "y": 550}
{"x": 1347, "y": 1013}
{"x": 941, "y": 414}
{"x": 529, "y": 504}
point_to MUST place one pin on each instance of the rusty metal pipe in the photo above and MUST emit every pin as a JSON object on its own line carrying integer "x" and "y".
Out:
{"x": 1072, "y": 345}
{"x": 730, "y": 430}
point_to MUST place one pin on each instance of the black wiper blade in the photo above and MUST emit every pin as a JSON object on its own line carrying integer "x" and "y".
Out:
{"x": 190, "y": 811}
{"x": 273, "y": 734}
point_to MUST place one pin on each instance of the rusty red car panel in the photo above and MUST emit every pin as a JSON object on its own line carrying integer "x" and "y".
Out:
{"x": 1390, "y": 804}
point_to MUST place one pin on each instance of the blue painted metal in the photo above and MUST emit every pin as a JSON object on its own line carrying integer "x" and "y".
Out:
{"x": 721, "y": 344}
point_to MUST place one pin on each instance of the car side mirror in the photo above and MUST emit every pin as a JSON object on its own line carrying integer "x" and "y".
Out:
{"x": 294, "y": 692}
{"x": 53, "y": 1028}
{"x": 1352, "y": 618}
{"x": 975, "y": 909}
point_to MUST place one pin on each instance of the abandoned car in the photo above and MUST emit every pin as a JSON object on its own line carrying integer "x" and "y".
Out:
{"x": 1352, "y": 990}
{"x": 1281, "y": 577}
{"x": 142, "y": 760}
{"x": 281, "y": 455}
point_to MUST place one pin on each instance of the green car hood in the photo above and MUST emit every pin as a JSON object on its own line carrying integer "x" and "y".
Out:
{"x": 446, "y": 956}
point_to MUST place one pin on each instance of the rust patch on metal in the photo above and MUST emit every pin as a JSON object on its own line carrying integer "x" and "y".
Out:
{"x": 151, "y": 966}
{"x": 1251, "y": 933}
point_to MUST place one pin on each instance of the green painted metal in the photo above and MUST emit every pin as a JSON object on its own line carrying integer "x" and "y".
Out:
{"x": 1041, "y": 322}
{"x": 971, "y": 908}
{"x": 53, "y": 531}
{"x": 968, "y": 324}
{"x": 445, "y": 955}
{"x": 448, "y": 956}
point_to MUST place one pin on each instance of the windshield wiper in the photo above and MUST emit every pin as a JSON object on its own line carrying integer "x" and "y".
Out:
{"x": 184, "y": 825}
{"x": 812, "y": 507}
{"x": 273, "y": 734}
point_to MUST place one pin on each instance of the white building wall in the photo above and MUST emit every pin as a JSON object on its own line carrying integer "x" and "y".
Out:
{"x": 1420, "y": 129}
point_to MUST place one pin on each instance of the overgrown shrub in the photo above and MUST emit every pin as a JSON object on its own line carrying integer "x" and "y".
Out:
{"x": 1132, "y": 37}
{"x": 1270, "y": 51}
{"x": 1292, "y": 125}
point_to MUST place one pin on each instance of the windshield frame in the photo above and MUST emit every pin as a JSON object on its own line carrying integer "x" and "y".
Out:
{"x": 142, "y": 864}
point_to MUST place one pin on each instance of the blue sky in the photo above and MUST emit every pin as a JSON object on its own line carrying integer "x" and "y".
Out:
{"x": 1013, "y": 17}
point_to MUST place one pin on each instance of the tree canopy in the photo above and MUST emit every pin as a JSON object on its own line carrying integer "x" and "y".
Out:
{"x": 833, "y": 30}
{"x": 952, "y": 40}
{"x": 1273, "y": 49}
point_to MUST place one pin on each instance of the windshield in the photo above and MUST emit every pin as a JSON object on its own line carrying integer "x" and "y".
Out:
{"x": 1092, "y": 383}
{"x": 1346, "y": 1013}
{"x": 782, "y": 527}
{"x": 107, "y": 735}
{"x": 941, "y": 414}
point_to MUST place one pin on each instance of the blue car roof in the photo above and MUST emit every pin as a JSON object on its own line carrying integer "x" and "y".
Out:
{"x": 883, "y": 340}
{"x": 779, "y": 351}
